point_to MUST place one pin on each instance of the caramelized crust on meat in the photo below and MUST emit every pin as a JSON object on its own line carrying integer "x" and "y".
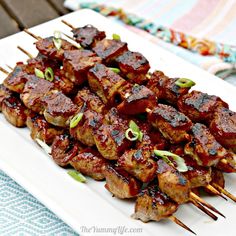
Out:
{"x": 84, "y": 131}
{"x": 77, "y": 63}
{"x": 90, "y": 100}
{"x": 64, "y": 149}
{"x": 173, "y": 124}
{"x": 134, "y": 66}
{"x": 139, "y": 164}
{"x": 113, "y": 117}
{"x": 137, "y": 100}
{"x": 217, "y": 177}
{"x": 33, "y": 93}
{"x": 223, "y": 127}
{"x": 203, "y": 147}
{"x": 200, "y": 107}
{"x": 172, "y": 182}
{"x": 41, "y": 129}
{"x": 165, "y": 87}
{"x": 90, "y": 162}
{"x": 88, "y": 36}
{"x": 120, "y": 183}
{"x": 16, "y": 80}
{"x": 109, "y": 49}
{"x": 111, "y": 141}
{"x": 47, "y": 48}
{"x": 152, "y": 204}
{"x": 229, "y": 165}
{"x": 58, "y": 109}
{"x": 4, "y": 92}
{"x": 105, "y": 83}
{"x": 14, "y": 111}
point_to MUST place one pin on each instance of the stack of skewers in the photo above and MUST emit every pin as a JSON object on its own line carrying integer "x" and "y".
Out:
{"x": 104, "y": 114}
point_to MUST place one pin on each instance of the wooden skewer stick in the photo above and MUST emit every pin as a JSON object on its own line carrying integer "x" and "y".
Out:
{"x": 68, "y": 24}
{"x": 204, "y": 203}
{"x": 4, "y": 71}
{"x": 180, "y": 223}
{"x": 203, "y": 209}
{"x": 215, "y": 191}
{"x": 25, "y": 52}
{"x": 32, "y": 35}
{"x": 225, "y": 192}
{"x": 9, "y": 67}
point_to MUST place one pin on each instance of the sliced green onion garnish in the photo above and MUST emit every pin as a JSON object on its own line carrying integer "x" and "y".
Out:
{"x": 134, "y": 126}
{"x": 44, "y": 146}
{"x": 39, "y": 73}
{"x": 116, "y": 70}
{"x": 181, "y": 165}
{"x": 77, "y": 176}
{"x": 184, "y": 83}
{"x": 116, "y": 36}
{"x": 75, "y": 120}
{"x": 57, "y": 34}
{"x": 135, "y": 135}
{"x": 57, "y": 40}
{"x": 49, "y": 75}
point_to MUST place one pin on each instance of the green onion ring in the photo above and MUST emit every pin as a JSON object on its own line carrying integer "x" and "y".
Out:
{"x": 116, "y": 36}
{"x": 116, "y": 70}
{"x": 75, "y": 120}
{"x": 49, "y": 75}
{"x": 77, "y": 176}
{"x": 184, "y": 83}
{"x": 57, "y": 40}
{"x": 135, "y": 135}
{"x": 39, "y": 73}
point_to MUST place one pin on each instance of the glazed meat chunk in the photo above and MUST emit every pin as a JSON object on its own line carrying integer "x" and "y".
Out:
{"x": 109, "y": 49}
{"x": 173, "y": 124}
{"x": 58, "y": 109}
{"x": 90, "y": 162}
{"x": 137, "y": 100}
{"x": 229, "y": 165}
{"x": 34, "y": 92}
{"x": 90, "y": 100}
{"x": 172, "y": 182}
{"x": 203, "y": 146}
{"x": 4, "y": 92}
{"x": 64, "y": 149}
{"x": 223, "y": 127}
{"x": 77, "y": 63}
{"x": 105, "y": 83}
{"x": 152, "y": 204}
{"x": 120, "y": 183}
{"x": 165, "y": 87}
{"x": 84, "y": 130}
{"x": 14, "y": 111}
{"x": 111, "y": 141}
{"x": 88, "y": 36}
{"x": 200, "y": 107}
{"x": 41, "y": 129}
{"x": 139, "y": 163}
{"x": 134, "y": 66}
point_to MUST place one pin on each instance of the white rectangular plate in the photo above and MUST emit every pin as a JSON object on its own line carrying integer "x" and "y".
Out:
{"x": 91, "y": 205}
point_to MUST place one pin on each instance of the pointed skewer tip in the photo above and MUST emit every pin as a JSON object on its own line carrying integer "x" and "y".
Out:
{"x": 68, "y": 24}
{"x": 225, "y": 192}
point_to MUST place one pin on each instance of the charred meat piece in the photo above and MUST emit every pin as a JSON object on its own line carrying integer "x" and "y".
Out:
{"x": 203, "y": 146}
{"x": 90, "y": 100}
{"x": 120, "y": 183}
{"x": 173, "y": 124}
{"x": 110, "y": 49}
{"x": 134, "y": 66}
{"x": 111, "y": 141}
{"x": 64, "y": 149}
{"x": 198, "y": 176}
{"x": 84, "y": 131}
{"x": 223, "y": 127}
{"x": 90, "y": 162}
{"x": 229, "y": 165}
{"x": 200, "y": 107}
{"x": 217, "y": 177}
{"x": 4, "y": 92}
{"x": 114, "y": 117}
{"x": 105, "y": 83}
{"x": 172, "y": 182}
{"x": 152, "y": 204}
{"x": 58, "y": 109}
{"x": 165, "y": 87}
{"x": 41, "y": 129}
{"x": 139, "y": 163}
{"x": 88, "y": 36}
{"x": 14, "y": 111}
{"x": 16, "y": 80}
{"x": 77, "y": 63}
{"x": 137, "y": 100}
{"x": 47, "y": 48}
{"x": 33, "y": 93}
